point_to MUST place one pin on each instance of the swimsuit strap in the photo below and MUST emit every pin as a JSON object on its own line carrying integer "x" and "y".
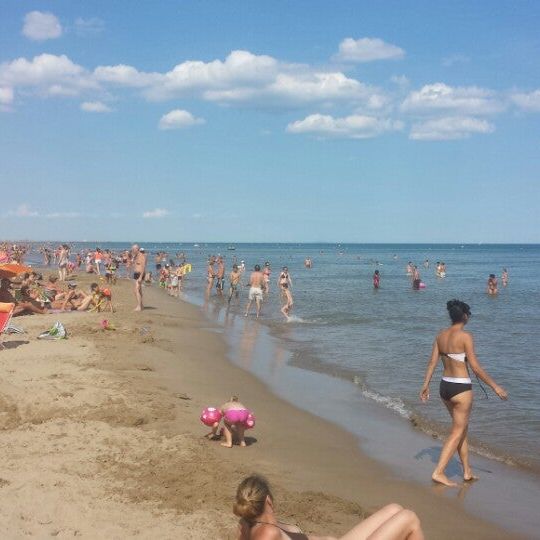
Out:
{"x": 288, "y": 533}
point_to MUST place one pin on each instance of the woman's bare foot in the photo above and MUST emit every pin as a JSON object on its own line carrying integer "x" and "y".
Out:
{"x": 470, "y": 477}
{"x": 226, "y": 445}
{"x": 441, "y": 478}
{"x": 243, "y": 444}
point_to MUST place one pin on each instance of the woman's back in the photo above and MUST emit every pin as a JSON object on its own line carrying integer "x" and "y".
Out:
{"x": 451, "y": 343}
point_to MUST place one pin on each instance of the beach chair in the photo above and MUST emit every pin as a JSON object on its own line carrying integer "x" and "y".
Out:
{"x": 6, "y": 311}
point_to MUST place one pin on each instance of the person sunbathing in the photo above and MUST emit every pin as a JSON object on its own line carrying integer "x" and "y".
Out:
{"x": 25, "y": 305}
{"x": 254, "y": 506}
{"x": 52, "y": 290}
{"x": 72, "y": 299}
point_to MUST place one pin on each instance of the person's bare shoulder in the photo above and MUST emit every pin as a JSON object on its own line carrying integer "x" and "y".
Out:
{"x": 266, "y": 532}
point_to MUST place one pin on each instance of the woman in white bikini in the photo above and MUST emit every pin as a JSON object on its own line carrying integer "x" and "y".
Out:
{"x": 456, "y": 349}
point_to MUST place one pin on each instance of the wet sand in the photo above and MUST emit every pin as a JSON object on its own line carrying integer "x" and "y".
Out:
{"x": 101, "y": 437}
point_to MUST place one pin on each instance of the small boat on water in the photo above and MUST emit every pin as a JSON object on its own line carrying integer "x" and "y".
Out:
{"x": 231, "y": 248}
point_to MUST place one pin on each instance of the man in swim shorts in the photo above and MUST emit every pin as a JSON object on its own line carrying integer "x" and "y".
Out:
{"x": 139, "y": 267}
{"x": 234, "y": 279}
{"x": 256, "y": 283}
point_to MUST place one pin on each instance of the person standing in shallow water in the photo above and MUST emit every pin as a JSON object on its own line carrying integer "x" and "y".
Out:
{"x": 376, "y": 279}
{"x": 455, "y": 347}
{"x": 492, "y": 286}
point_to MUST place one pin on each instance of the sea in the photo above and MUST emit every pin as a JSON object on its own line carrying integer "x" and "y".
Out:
{"x": 380, "y": 340}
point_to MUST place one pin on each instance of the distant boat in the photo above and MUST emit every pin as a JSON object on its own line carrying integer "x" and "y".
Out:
{"x": 231, "y": 248}
{"x": 195, "y": 245}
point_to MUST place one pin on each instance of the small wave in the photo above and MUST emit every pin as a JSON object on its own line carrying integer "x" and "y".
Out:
{"x": 394, "y": 404}
{"x": 295, "y": 319}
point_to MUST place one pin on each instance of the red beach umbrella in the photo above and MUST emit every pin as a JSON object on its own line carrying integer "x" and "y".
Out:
{"x": 11, "y": 270}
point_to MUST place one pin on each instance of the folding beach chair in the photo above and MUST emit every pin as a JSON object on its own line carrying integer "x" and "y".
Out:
{"x": 6, "y": 311}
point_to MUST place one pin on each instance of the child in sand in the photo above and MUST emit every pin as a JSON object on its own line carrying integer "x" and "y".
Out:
{"x": 235, "y": 415}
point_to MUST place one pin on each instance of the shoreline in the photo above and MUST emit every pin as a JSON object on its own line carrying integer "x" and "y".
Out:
{"x": 153, "y": 456}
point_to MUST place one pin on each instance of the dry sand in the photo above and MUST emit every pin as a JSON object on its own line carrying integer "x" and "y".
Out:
{"x": 100, "y": 437}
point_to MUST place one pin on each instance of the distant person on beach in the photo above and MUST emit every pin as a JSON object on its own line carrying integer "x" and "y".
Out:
{"x": 492, "y": 286}
{"x": 138, "y": 257}
{"x": 267, "y": 272}
{"x": 234, "y": 282}
{"x": 235, "y": 416}
{"x": 256, "y": 287}
{"x": 220, "y": 275}
{"x": 210, "y": 275}
{"x": 455, "y": 347}
{"x": 504, "y": 277}
{"x": 254, "y": 505}
{"x": 285, "y": 284}
{"x": 63, "y": 260}
{"x": 376, "y": 279}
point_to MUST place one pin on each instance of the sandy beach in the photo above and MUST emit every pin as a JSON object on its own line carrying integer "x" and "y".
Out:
{"x": 101, "y": 438}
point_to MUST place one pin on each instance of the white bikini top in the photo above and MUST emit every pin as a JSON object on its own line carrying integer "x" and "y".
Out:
{"x": 459, "y": 357}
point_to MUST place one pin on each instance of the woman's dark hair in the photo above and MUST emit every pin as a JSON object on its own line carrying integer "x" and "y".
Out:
{"x": 458, "y": 310}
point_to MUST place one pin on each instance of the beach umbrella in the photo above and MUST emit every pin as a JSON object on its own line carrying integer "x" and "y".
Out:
{"x": 11, "y": 270}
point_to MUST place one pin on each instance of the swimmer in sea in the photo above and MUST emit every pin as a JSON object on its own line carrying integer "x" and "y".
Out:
{"x": 492, "y": 287}
{"x": 254, "y": 505}
{"x": 235, "y": 416}
{"x": 504, "y": 277}
{"x": 455, "y": 347}
{"x": 285, "y": 284}
{"x": 376, "y": 279}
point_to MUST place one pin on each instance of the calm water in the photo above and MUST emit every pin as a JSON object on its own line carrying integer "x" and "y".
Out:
{"x": 382, "y": 339}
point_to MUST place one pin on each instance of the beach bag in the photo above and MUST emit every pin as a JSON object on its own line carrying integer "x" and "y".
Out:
{"x": 57, "y": 331}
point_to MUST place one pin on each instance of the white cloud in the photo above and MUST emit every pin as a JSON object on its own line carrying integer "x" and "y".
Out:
{"x": 454, "y": 59}
{"x": 123, "y": 75}
{"x": 88, "y": 27}
{"x": 179, "y": 118}
{"x": 95, "y": 106}
{"x": 351, "y": 127}
{"x": 62, "y": 215}
{"x": 48, "y": 74}
{"x": 6, "y": 97}
{"x": 242, "y": 78}
{"x": 448, "y": 128}
{"x": 156, "y": 213}
{"x": 527, "y": 101}
{"x": 367, "y": 50}
{"x": 23, "y": 210}
{"x": 440, "y": 97}
{"x": 40, "y": 26}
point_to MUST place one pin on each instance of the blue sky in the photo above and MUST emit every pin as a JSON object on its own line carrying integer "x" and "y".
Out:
{"x": 270, "y": 121}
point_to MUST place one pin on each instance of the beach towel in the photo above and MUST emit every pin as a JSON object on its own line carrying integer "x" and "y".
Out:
{"x": 57, "y": 331}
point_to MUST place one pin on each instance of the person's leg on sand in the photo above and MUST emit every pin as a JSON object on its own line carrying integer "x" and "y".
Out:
{"x": 460, "y": 408}
{"x": 463, "y": 452}
{"x": 390, "y": 523}
{"x": 228, "y": 436}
